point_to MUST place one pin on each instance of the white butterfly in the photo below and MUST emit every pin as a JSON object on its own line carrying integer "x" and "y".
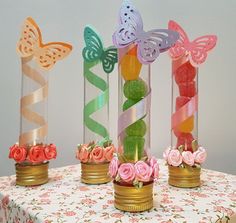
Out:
{"x": 150, "y": 44}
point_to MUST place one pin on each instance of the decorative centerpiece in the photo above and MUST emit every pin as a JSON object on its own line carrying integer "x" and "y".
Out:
{"x": 97, "y": 150}
{"x": 185, "y": 157}
{"x": 132, "y": 169}
{"x": 32, "y": 153}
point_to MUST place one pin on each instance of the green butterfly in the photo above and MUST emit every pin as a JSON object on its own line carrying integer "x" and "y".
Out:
{"x": 94, "y": 50}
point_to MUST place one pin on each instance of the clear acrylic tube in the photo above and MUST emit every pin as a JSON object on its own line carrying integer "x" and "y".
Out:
{"x": 34, "y": 104}
{"x": 134, "y": 105}
{"x": 184, "y": 104}
{"x": 96, "y": 102}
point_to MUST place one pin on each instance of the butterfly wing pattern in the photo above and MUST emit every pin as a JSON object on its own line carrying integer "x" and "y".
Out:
{"x": 30, "y": 44}
{"x": 94, "y": 50}
{"x": 150, "y": 44}
{"x": 196, "y": 50}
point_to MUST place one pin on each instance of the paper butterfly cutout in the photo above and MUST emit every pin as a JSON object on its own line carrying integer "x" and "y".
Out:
{"x": 30, "y": 44}
{"x": 196, "y": 50}
{"x": 150, "y": 44}
{"x": 94, "y": 50}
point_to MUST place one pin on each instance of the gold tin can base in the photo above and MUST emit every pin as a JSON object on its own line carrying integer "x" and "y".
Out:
{"x": 31, "y": 175}
{"x": 184, "y": 177}
{"x": 95, "y": 173}
{"x": 132, "y": 199}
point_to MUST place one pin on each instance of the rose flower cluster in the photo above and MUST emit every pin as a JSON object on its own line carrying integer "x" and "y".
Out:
{"x": 134, "y": 173}
{"x": 92, "y": 153}
{"x": 175, "y": 157}
{"x": 34, "y": 154}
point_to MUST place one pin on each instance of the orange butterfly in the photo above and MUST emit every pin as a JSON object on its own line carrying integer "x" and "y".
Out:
{"x": 30, "y": 43}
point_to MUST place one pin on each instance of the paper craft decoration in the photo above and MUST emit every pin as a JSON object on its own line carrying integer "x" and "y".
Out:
{"x": 32, "y": 153}
{"x": 185, "y": 156}
{"x": 97, "y": 150}
{"x": 134, "y": 169}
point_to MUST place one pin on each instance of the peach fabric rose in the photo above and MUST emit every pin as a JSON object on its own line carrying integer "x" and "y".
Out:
{"x": 126, "y": 172}
{"x": 18, "y": 153}
{"x": 174, "y": 157}
{"x": 143, "y": 171}
{"x": 36, "y": 154}
{"x": 166, "y": 153}
{"x": 109, "y": 151}
{"x": 82, "y": 154}
{"x": 200, "y": 155}
{"x": 50, "y": 152}
{"x": 155, "y": 171}
{"x": 97, "y": 155}
{"x": 113, "y": 167}
{"x": 188, "y": 158}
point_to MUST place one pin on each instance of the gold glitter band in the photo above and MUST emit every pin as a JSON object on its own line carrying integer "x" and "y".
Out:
{"x": 31, "y": 175}
{"x": 184, "y": 177}
{"x": 95, "y": 173}
{"x": 132, "y": 199}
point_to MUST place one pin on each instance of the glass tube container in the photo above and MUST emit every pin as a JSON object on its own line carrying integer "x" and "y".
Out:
{"x": 184, "y": 105}
{"x": 134, "y": 105}
{"x": 34, "y": 104}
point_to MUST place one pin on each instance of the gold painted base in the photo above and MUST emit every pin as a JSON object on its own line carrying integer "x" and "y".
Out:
{"x": 132, "y": 199}
{"x": 95, "y": 173}
{"x": 184, "y": 177}
{"x": 31, "y": 175}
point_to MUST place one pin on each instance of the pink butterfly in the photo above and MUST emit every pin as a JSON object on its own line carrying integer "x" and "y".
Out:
{"x": 196, "y": 50}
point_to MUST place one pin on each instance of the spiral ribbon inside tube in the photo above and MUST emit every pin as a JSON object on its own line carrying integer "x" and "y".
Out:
{"x": 27, "y": 102}
{"x": 97, "y": 103}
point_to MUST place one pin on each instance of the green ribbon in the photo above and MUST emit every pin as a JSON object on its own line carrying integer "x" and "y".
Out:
{"x": 97, "y": 103}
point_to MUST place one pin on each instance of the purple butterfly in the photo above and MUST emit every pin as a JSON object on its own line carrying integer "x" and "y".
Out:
{"x": 150, "y": 44}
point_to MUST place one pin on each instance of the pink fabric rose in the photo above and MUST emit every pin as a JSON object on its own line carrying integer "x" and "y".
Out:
{"x": 155, "y": 171}
{"x": 200, "y": 155}
{"x": 5, "y": 202}
{"x": 109, "y": 151}
{"x": 174, "y": 157}
{"x": 113, "y": 167}
{"x": 166, "y": 153}
{"x": 36, "y": 154}
{"x": 126, "y": 172}
{"x": 152, "y": 161}
{"x": 97, "y": 155}
{"x": 18, "y": 153}
{"x": 188, "y": 158}
{"x": 50, "y": 152}
{"x": 143, "y": 171}
{"x": 83, "y": 154}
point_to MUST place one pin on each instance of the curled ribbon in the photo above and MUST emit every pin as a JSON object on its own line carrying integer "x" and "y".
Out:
{"x": 134, "y": 113}
{"x": 97, "y": 103}
{"x": 31, "y": 99}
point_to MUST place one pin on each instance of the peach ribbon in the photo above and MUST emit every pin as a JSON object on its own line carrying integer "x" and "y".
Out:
{"x": 33, "y": 98}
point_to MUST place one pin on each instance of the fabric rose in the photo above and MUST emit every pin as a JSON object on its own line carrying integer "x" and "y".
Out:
{"x": 188, "y": 158}
{"x": 18, "y": 153}
{"x": 155, "y": 171}
{"x": 113, "y": 167}
{"x": 174, "y": 157}
{"x": 143, "y": 171}
{"x": 200, "y": 155}
{"x": 50, "y": 152}
{"x": 109, "y": 151}
{"x": 36, "y": 154}
{"x": 126, "y": 172}
{"x": 97, "y": 155}
{"x": 152, "y": 161}
{"x": 5, "y": 202}
{"x": 83, "y": 154}
{"x": 166, "y": 153}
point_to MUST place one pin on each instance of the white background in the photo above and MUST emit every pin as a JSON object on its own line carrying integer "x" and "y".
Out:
{"x": 62, "y": 20}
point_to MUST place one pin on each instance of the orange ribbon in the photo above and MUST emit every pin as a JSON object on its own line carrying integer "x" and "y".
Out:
{"x": 34, "y": 97}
